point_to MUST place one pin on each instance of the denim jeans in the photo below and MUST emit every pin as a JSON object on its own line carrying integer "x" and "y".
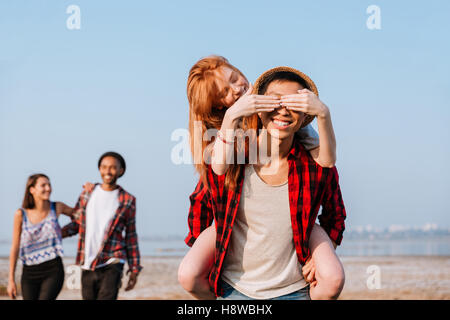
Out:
{"x": 231, "y": 293}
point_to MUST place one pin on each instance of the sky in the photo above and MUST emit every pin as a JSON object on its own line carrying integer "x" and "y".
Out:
{"x": 119, "y": 83}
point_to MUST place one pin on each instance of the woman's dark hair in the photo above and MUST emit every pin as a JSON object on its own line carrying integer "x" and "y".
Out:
{"x": 115, "y": 155}
{"x": 28, "y": 199}
{"x": 282, "y": 76}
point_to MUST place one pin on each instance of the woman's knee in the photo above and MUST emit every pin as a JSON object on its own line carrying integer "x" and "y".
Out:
{"x": 186, "y": 277}
{"x": 189, "y": 277}
{"x": 333, "y": 282}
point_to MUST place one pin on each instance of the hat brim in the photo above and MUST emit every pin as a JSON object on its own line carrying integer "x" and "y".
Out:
{"x": 262, "y": 79}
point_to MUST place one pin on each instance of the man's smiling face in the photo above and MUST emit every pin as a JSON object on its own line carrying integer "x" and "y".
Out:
{"x": 282, "y": 123}
{"x": 110, "y": 170}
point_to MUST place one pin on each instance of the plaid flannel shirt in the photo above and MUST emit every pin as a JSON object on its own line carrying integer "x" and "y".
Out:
{"x": 114, "y": 244}
{"x": 310, "y": 186}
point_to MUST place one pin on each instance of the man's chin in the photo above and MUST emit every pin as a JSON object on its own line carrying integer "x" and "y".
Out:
{"x": 110, "y": 182}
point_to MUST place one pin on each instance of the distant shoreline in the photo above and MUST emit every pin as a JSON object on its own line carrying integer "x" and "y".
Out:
{"x": 352, "y": 246}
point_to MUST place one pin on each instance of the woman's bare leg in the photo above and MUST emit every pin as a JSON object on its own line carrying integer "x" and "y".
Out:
{"x": 329, "y": 271}
{"x": 194, "y": 269}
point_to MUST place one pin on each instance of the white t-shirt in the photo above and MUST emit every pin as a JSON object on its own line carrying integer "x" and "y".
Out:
{"x": 261, "y": 261}
{"x": 100, "y": 210}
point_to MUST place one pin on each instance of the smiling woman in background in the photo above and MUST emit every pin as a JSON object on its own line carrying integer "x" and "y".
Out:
{"x": 37, "y": 237}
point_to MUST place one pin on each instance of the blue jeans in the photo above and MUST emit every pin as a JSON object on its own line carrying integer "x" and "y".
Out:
{"x": 231, "y": 293}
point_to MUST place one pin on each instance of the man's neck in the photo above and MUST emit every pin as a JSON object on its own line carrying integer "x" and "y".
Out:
{"x": 109, "y": 187}
{"x": 274, "y": 164}
{"x": 277, "y": 149}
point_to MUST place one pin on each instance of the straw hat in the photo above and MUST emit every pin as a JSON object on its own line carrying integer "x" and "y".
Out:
{"x": 266, "y": 76}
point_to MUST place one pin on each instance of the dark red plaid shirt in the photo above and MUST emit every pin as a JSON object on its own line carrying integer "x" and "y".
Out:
{"x": 310, "y": 186}
{"x": 114, "y": 244}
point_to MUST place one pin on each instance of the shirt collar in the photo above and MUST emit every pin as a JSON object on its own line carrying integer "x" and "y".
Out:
{"x": 296, "y": 149}
{"x": 118, "y": 187}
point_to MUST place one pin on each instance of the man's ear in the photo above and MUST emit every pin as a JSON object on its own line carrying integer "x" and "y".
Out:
{"x": 121, "y": 172}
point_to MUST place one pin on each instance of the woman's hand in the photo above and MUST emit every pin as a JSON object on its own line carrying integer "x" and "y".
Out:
{"x": 12, "y": 289}
{"x": 307, "y": 102}
{"x": 250, "y": 104}
{"x": 309, "y": 272}
{"x": 245, "y": 106}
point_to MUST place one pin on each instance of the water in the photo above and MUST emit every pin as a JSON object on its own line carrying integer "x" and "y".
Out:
{"x": 433, "y": 246}
{"x": 424, "y": 246}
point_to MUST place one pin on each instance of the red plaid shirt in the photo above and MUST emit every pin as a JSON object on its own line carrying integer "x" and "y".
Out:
{"x": 310, "y": 186}
{"x": 114, "y": 244}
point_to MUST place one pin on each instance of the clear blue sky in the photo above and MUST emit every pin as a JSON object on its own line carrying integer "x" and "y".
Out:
{"x": 67, "y": 96}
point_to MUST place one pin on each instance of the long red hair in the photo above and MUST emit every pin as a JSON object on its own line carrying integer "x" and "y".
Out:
{"x": 205, "y": 107}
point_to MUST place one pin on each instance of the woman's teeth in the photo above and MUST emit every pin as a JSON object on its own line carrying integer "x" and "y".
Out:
{"x": 281, "y": 123}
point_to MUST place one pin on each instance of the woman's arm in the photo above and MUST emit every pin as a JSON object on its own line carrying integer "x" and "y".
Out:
{"x": 223, "y": 146}
{"x": 325, "y": 155}
{"x": 307, "y": 102}
{"x": 14, "y": 253}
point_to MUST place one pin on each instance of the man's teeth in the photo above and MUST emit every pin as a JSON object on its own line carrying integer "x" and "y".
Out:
{"x": 281, "y": 123}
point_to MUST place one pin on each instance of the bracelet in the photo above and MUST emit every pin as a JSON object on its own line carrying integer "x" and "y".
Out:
{"x": 219, "y": 135}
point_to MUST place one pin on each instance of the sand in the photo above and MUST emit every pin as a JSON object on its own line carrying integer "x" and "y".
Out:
{"x": 422, "y": 277}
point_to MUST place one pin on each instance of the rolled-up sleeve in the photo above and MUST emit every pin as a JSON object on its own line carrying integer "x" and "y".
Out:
{"x": 333, "y": 210}
{"x": 131, "y": 240}
{"x": 200, "y": 214}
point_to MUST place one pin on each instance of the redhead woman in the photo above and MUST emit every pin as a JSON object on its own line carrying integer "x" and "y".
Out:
{"x": 221, "y": 98}
{"x": 37, "y": 239}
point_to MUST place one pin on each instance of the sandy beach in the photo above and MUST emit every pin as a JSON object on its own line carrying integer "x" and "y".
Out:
{"x": 404, "y": 277}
